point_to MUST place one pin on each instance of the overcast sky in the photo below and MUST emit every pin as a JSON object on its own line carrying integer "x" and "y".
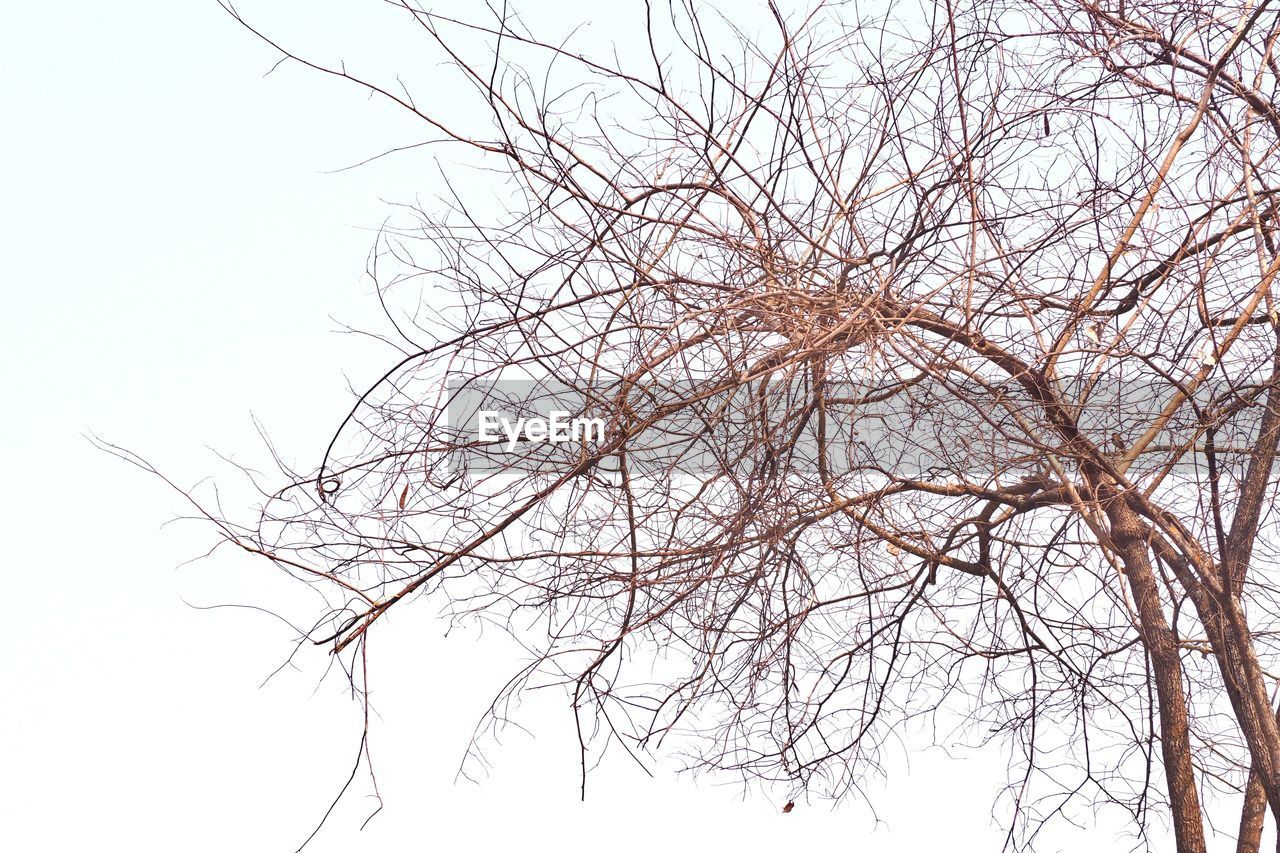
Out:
{"x": 178, "y": 258}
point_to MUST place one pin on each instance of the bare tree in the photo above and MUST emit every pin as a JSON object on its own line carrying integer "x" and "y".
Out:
{"x": 936, "y": 359}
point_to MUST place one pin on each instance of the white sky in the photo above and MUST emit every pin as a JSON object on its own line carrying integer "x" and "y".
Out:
{"x": 174, "y": 259}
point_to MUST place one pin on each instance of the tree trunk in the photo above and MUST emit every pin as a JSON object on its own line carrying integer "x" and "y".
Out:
{"x": 1175, "y": 742}
{"x": 1252, "y": 815}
